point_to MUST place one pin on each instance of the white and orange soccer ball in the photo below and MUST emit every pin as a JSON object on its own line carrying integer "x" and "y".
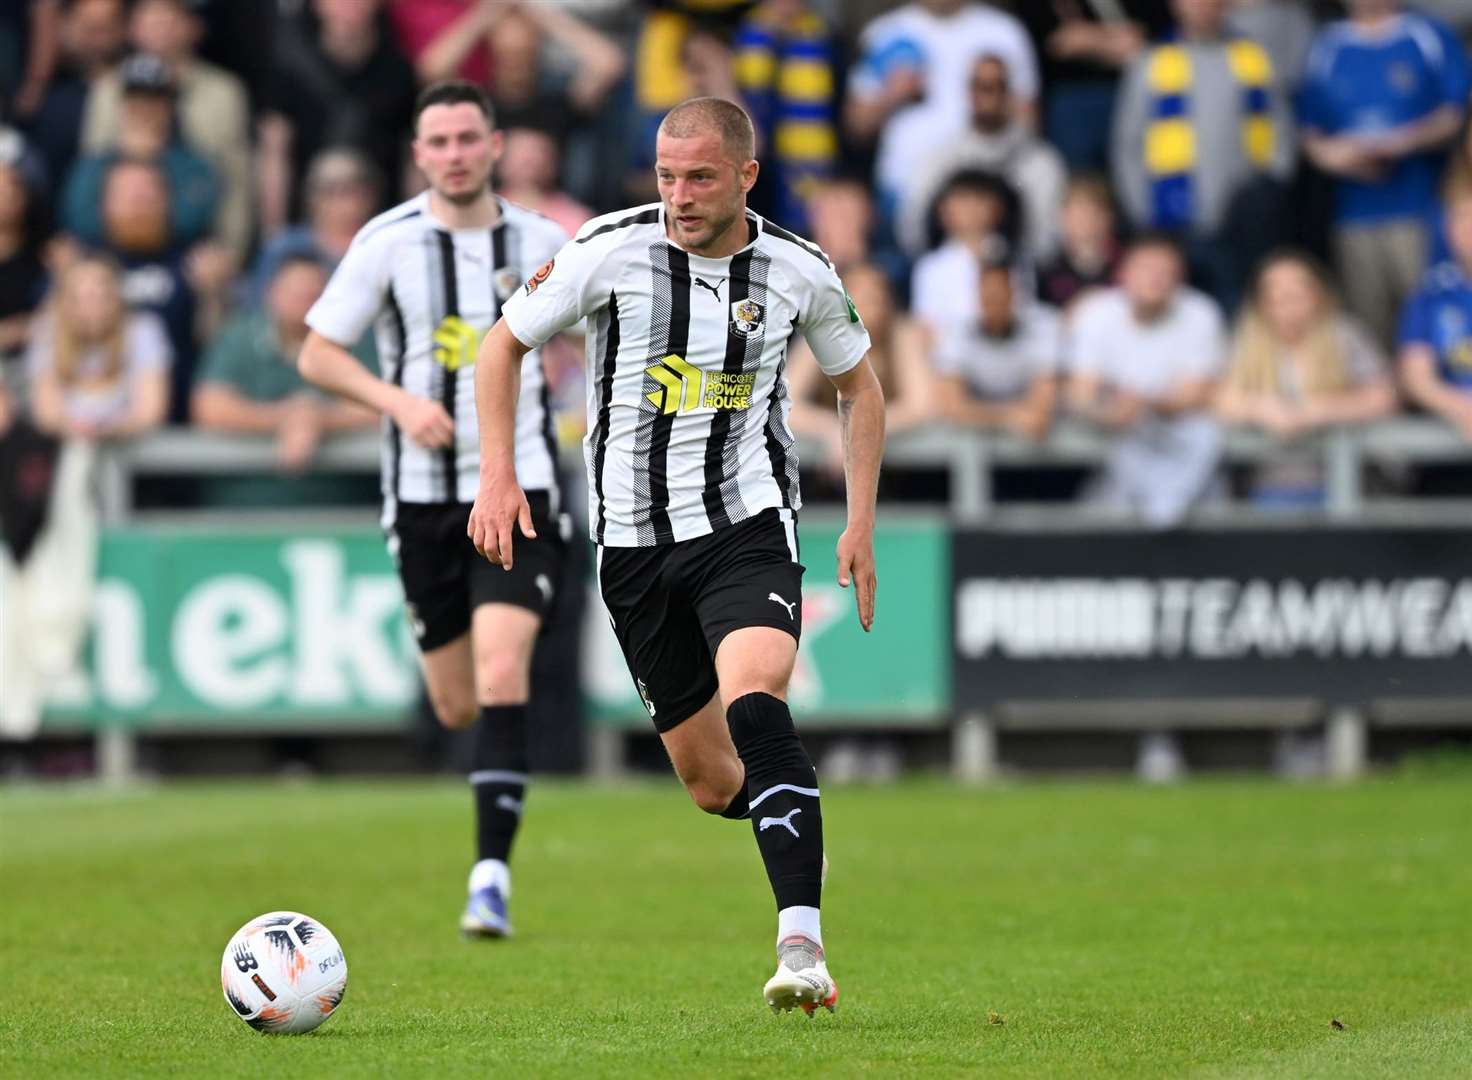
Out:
{"x": 284, "y": 972}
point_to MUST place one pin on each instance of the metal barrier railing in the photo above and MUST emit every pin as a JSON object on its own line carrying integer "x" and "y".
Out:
{"x": 968, "y": 457}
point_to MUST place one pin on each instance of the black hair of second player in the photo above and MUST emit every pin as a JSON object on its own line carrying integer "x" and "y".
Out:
{"x": 453, "y": 92}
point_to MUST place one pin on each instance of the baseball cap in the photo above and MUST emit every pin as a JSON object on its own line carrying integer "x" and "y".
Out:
{"x": 142, "y": 73}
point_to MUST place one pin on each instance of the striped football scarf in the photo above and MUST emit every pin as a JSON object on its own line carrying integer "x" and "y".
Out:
{"x": 1170, "y": 140}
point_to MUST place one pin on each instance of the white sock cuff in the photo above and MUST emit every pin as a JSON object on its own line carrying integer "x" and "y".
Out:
{"x": 489, "y": 872}
{"x": 799, "y": 920}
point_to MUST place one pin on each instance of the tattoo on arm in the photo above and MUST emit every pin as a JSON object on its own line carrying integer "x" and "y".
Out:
{"x": 845, "y": 421}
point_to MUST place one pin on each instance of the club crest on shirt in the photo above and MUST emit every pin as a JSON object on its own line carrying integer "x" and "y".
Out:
{"x": 506, "y": 280}
{"x": 540, "y": 276}
{"x": 747, "y": 317}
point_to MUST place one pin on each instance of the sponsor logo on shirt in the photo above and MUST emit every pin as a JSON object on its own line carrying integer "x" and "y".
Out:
{"x": 456, "y": 343}
{"x": 542, "y": 274}
{"x": 684, "y": 388}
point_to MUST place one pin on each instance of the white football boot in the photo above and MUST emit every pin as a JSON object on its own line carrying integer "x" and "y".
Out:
{"x": 802, "y": 980}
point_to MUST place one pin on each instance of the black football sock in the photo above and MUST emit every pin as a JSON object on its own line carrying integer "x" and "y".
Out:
{"x": 499, "y": 778}
{"x": 740, "y": 804}
{"x": 782, "y": 790}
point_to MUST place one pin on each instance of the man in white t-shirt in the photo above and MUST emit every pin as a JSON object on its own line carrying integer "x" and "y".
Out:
{"x": 911, "y": 85}
{"x": 1000, "y": 372}
{"x": 1143, "y": 364}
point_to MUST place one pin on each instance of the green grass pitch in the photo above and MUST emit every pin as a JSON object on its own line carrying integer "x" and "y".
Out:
{"x": 1050, "y": 929}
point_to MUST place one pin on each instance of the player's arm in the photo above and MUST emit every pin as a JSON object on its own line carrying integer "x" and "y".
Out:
{"x": 329, "y": 365}
{"x": 553, "y": 300}
{"x": 354, "y": 296}
{"x": 861, "y": 420}
{"x": 500, "y": 503}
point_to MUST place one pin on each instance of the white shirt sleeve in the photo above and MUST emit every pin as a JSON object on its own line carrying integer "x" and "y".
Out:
{"x": 1045, "y": 342}
{"x": 1022, "y": 61}
{"x": 1088, "y": 340}
{"x": 148, "y": 343}
{"x": 556, "y": 297}
{"x": 832, "y": 325}
{"x": 354, "y": 294}
{"x": 1208, "y": 344}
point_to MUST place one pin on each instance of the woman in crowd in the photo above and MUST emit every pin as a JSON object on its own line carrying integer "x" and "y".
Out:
{"x": 96, "y": 370}
{"x": 1299, "y": 364}
{"x": 898, "y": 353}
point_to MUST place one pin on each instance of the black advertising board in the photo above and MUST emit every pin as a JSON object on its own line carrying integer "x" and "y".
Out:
{"x": 1343, "y": 615}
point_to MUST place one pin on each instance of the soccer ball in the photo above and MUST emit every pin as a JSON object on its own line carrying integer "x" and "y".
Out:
{"x": 284, "y": 973}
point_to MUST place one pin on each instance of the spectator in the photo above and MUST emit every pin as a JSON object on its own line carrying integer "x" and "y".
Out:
{"x": 527, "y": 173}
{"x": 909, "y": 87}
{"x": 1084, "y": 46}
{"x": 343, "y": 192}
{"x": 96, "y": 370}
{"x": 707, "y": 69}
{"x": 1297, "y": 365}
{"x": 30, "y": 31}
{"x": 1088, "y": 249}
{"x": 897, "y": 352}
{"x": 93, "y": 34}
{"x": 1285, "y": 28}
{"x": 22, "y": 279}
{"x": 184, "y": 286}
{"x": 1202, "y": 145}
{"x": 145, "y": 134}
{"x": 1383, "y": 96}
{"x": 997, "y": 142}
{"x": 249, "y": 383}
{"x": 1145, "y": 357}
{"x": 1001, "y": 372}
{"x": 527, "y": 92}
{"x": 841, "y": 217}
{"x": 212, "y": 110}
{"x": 447, "y": 39}
{"x": 338, "y": 80}
{"x": 977, "y": 214}
{"x": 785, "y": 61}
{"x": 96, "y": 373}
{"x": 661, "y": 79}
{"x": 1435, "y": 361}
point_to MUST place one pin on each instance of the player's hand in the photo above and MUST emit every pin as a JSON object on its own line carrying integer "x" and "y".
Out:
{"x": 500, "y": 507}
{"x": 424, "y": 421}
{"x": 856, "y": 564}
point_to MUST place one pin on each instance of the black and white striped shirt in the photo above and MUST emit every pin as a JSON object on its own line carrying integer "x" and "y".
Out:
{"x": 431, "y": 293}
{"x": 687, "y": 391}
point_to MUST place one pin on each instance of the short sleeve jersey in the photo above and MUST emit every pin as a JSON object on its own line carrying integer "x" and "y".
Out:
{"x": 431, "y": 293}
{"x": 1439, "y": 315}
{"x": 687, "y": 396}
{"x": 1359, "y": 84}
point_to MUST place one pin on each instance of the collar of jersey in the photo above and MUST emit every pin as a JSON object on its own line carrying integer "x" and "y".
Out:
{"x": 754, "y": 227}
{"x": 479, "y": 229}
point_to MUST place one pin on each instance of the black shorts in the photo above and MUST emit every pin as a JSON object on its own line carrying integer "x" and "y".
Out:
{"x": 672, "y": 605}
{"x": 445, "y": 578}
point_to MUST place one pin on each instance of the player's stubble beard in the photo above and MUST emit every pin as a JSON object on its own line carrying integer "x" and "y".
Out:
{"x": 715, "y": 232}
{"x": 466, "y": 197}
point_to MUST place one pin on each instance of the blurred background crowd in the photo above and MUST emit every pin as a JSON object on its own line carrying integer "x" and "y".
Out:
{"x": 1161, "y": 216}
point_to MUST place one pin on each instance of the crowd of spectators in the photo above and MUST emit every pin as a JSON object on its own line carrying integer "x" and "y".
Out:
{"x": 1163, "y": 218}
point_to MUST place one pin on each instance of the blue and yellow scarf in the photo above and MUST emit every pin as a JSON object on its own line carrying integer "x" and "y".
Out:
{"x": 1170, "y": 139}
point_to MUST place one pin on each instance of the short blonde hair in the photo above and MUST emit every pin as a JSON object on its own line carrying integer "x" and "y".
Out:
{"x": 703, "y": 115}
